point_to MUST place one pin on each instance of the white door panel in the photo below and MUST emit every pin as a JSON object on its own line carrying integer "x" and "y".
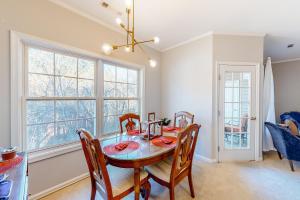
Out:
{"x": 237, "y": 112}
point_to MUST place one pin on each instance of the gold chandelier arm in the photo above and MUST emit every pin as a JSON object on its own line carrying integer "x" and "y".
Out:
{"x": 132, "y": 33}
{"x": 119, "y": 46}
{"x": 141, "y": 42}
{"x": 123, "y": 27}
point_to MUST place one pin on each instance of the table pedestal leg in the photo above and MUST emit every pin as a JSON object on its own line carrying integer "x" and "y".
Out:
{"x": 137, "y": 183}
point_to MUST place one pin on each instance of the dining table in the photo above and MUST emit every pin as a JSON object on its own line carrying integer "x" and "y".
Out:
{"x": 146, "y": 154}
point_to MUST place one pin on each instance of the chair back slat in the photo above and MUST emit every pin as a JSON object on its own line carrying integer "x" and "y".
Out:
{"x": 185, "y": 148}
{"x": 131, "y": 120}
{"x": 96, "y": 162}
{"x": 182, "y": 119}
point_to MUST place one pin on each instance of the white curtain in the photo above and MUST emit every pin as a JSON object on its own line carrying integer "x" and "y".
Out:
{"x": 268, "y": 105}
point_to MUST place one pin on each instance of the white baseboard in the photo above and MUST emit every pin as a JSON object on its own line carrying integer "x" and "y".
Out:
{"x": 58, "y": 187}
{"x": 203, "y": 158}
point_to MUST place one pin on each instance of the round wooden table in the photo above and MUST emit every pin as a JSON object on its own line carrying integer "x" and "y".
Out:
{"x": 146, "y": 154}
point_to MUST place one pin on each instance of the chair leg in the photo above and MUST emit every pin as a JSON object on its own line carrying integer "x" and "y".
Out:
{"x": 291, "y": 165}
{"x": 191, "y": 184}
{"x": 93, "y": 192}
{"x": 147, "y": 188}
{"x": 172, "y": 193}
{"x": 279, "y": 154}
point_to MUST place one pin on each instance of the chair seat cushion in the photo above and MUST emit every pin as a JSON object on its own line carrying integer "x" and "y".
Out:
{"x": 122, "y": 179}
{"x": 161, "y": 170}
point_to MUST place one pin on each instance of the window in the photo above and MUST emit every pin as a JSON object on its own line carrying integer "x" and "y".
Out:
{"x": 57, "y": 89}
{"x": 60, "y": 97}
{"x": 121, "y": 95}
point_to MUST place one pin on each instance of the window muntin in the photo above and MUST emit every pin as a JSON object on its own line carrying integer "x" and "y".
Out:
{"x": 121, "y": 95}
{"x": 60, "y": 97}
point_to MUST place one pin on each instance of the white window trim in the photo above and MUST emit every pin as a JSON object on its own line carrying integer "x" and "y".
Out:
{"x": 17, "y": 44}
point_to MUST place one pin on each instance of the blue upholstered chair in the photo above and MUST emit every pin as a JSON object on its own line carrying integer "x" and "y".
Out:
{"x": 286, "y": 144}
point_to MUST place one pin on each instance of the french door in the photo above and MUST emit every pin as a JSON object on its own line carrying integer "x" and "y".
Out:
{"x": 237, "y": 112}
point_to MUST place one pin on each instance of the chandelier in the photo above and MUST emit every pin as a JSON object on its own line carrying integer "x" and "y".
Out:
{"x": 131, "y": 41}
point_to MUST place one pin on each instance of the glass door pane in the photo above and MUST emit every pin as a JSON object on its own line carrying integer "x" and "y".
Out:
{"x": 237, "y": 96}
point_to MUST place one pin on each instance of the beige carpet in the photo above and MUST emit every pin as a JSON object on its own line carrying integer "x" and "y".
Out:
{"x": 270, "y": 179}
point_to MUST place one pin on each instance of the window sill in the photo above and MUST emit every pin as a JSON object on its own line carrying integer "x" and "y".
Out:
{"x": 52, "y": 152}
{"x": 60, "y": 150}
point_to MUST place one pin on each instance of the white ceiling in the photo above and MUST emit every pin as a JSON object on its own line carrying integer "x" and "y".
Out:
{"x": 175, "y": 21}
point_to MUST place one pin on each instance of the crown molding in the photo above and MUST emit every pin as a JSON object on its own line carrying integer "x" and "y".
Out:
{"x": 287, "y": 60}
{"x": 88, "y": 16}
{"x": 245, "y": 34}
{"x": 213, "y": 33}
{"x": 188, "y": 41}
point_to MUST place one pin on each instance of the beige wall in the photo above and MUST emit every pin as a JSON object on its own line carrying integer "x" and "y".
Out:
{"x": 188, "y": 78}
{"x": 187, "y": 85}
{"x": 287, "y": 83}
{"x": 49, "y": 21}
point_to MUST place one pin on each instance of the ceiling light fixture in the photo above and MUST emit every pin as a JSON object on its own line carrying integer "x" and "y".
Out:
{"x": 152, "y": 63}
{"x": 131, "y": 41}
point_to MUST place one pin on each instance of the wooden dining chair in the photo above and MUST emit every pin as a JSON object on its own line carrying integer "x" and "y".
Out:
{"x": 182, "y": 118}
{"x": 171, "y": 171}
{"x": 151, "y": 116}
{"x": 131, "y": 120}
{"x": 111, "y": 182}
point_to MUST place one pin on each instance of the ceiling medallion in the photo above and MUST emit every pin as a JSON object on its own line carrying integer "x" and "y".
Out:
{"x": 131, "y": 41}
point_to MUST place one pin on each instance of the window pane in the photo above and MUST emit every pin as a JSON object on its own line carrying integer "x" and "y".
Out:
{"x": 110, "y": 107}
{"x": 38, "y": 136}
{"x": 111, "y": 124}
{"x": 132, "y": 76}
{"x": 40, "y": 85}
{"x": 245, "y": 110}
{"x": 236, "y": 110}
{"x": 236, "y": 79}
{"x": 87, "y": 108}
{"x": 246, "y": 79}
{"x": 65, "y": 132}
{"x": 121, "y": 75}
{"x": 228, "y": 79}
{"x": 245, "y": 94}
{"x": 236, "y": 94}
{"x": 122, "y": 107}
{"x": 121, "y": 90}
{"x": 89, "y": 125}
{"x": 228, "y": 110}
{"x": 65, "y": 87}
{"x": 109, "y": 73}
{"x": 40, "y": 61}
{"x": 65, "y": 65}
{"x": 86, "y": 69}
{"x": 109, "y": 89}
{"x": 132, "y": 90}
{"x": 40, "y": 112}
{"x": 228, "y": 94}
{"x": 133, "y": 106}
{"x": 66, "y": 110}
{"x": 85, "y": 88}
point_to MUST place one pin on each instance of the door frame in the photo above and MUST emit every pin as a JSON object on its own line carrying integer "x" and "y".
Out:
{"x": 257, "y": 137}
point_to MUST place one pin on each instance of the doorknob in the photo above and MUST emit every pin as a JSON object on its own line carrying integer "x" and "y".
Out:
{"x": 253, "y": 118}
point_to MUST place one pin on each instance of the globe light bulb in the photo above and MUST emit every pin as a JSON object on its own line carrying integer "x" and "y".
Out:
{"x": 128, "y": 4}
{"x": 118, "y": 21}
{"x": 152, "y": 63}
{"x": 127, "y": 49}
{"x": 107, "y": 48}
{"x": 156, "y": 40}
